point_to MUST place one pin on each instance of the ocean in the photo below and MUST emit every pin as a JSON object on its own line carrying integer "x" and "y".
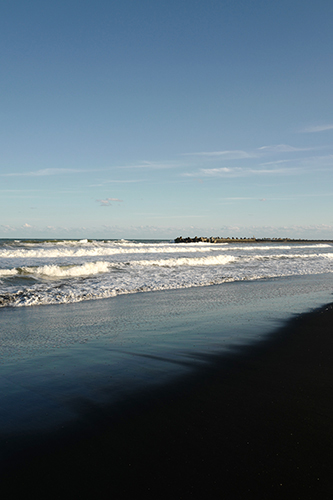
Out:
{"x": 109, "y": 318}
{"x": 90, "y": 330}
{"x": 40, "y": 272}
{"x": 156, "y": 297}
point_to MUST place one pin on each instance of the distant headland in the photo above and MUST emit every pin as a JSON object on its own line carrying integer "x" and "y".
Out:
{"x": 218, "y": 239}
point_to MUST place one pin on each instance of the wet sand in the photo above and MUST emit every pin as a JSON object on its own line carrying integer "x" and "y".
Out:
{"x": 254, "y": 423}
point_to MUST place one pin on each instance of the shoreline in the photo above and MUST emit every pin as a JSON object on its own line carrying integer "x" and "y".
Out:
{"x": 251, "y": 423}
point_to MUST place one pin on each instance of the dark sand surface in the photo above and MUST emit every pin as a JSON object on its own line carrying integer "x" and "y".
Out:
{"x": 257, "y": 425}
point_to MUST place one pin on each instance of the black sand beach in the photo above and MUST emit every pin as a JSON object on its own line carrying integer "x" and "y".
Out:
{"x": 252, "y": 423}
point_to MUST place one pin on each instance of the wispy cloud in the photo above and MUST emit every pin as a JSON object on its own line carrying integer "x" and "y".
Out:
{"x": 19, "y": 191}
{"x": 281, "y": 148}
{"x": 154, "y": 165}
{"x": 112, "y": 181}
{"x": 45, "y": 172}
{"x": 239, "y": 154}
{"x": 293, "y": 197}
{"x": 243, "y": 172}
{"x": 170, "y": 216}
{"x": 122, "y": 181}
{"x": 276, "y": 162}
{"x": 6, "y": 228}
{"x": 226, "y": 155}
{"x": 286, "y": 166}
{"x": 241, "y": 198}
{"x": 316, "y": 162}
{"x": 316, "y": 128}
{"x": 107, "y": 201}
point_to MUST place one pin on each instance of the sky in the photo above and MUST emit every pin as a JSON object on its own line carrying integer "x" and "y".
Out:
{"x": 164, "y": 118}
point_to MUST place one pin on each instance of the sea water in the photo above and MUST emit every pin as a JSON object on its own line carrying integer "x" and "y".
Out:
{"x": 89, "y": 324}
{"x": 40, "y": 272}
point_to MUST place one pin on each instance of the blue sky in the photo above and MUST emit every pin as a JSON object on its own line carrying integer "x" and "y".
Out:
{"x": 154, "y": 119}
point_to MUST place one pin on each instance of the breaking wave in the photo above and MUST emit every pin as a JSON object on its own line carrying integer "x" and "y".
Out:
{"x": 54, "y": 272}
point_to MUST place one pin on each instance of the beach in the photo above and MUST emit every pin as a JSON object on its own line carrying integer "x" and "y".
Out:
{"x": 166, "y": 250}
{"x": 221, "y": 391}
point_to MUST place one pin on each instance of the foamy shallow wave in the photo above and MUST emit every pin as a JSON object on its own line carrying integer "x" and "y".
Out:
{"x": 86, "y": 269}
{"x": 8, "y": 272}
{"x": 45, "y": 253}
{"x": 183, "y": 261}
{"x": 290, "y": 256}
{"x": 91, "y": 268}
{"x": 43, "y": 296}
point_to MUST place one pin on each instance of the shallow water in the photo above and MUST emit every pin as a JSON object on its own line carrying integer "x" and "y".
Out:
{"x": 59, "y": 361}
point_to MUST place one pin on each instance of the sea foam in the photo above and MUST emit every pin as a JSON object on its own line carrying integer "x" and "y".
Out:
{"x": 50, "y": 272}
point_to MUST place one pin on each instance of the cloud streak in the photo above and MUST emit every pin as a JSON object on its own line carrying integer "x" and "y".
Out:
{"x": 316, "y": 128}
{"x": 46, "y": 172}
{"x": 286, "y": 166}
{"x": 316, "y": 162}
{"x": 243, "y": 172}
{"x": 281, "y": 148}
{"x": 153, "y": 165}
{"x": 239, "y": 154}
{"x": 225, "y": 155}
{"x": 107, "y": 201}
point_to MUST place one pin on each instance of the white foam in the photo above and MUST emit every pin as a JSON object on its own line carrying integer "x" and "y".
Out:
{"x": 52, "y": 272}
{"x": 283, "y": 256}
{"x": 183, "y": 261}
{"x": 92, "y": 251}
{"x": 86, "y": 248}
{"x": 87, "y": 269}
{"x": 8, "y": 272}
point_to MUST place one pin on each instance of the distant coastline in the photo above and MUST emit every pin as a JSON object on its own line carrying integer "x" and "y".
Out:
{"x": 218, "y": 239}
